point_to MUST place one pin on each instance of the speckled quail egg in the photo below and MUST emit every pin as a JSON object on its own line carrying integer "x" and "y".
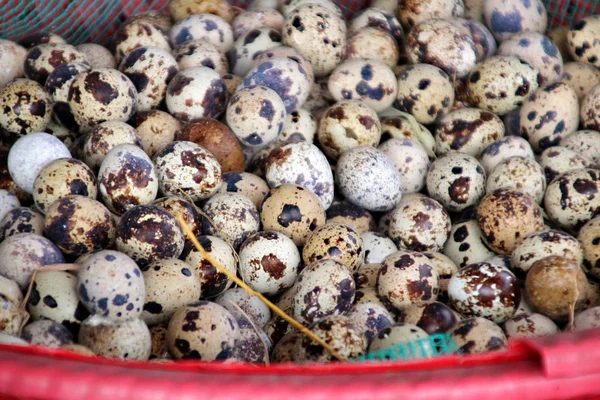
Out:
{"x": 13, "y": 58}
{"x": 46, "y": 333}
{"x": 366, "y": 275}
{"x": 588, "y": 238}
{"x": 556, "y": 286}
{"x": 558, "y": 34}
{"x": 581, "y": 77}
{"x": 40, "y": 37}
{"x": 318, "y": 34}
{"x": 456, "y": 180}
{"x": 505, "y": 216}
{"x": 376, "y": 247}
{"x": 585, "y": 142}
{"x": 23, "y": 253}
{"x": 293, "y": 211}
{"x": 425, "y": 91}
{"x": 170, "y": 284}
{"x": 485, "y": 44}
{"x": 581, "y": 43}
{"x": 248, "y": 46}
{"x": 539, "y": 245}
{"x": 376, "y": 17}
{"x": 501, "y": 84}
{"x": 42, "y": 59}
{"x": 277, "y": 329}
{"x": 156, "y": 129}
{"x": 588, "y": 319}
{"x": 232, "y": 216}
{"x": 323, "y": 288}
{"x": 420, "y": 224}
{"x": 442, "y": 43}
{"x": 187, "y": 169}
{"x": 103, "y": 138}
{"x": 99, "y": 95}
{"x": 196, "y": 92}
{"x": 344, "y": 212}
{"x": 370, "y": 318}
{"x": 369, "y": 295}
{"x": 269, "y": 262}
{"x": 299, "y": 125}
{"x": 60, "y": 178}
{"x": 110, "y": 284}
{"x": 136, "y": 34}
{"x": 287, "y": 6}
{"x": 405, "y": 278}
{"x": 507, "y": 18}
{"x": 337, "y": 242}
{"x": 368, "y": 179}
{"x": 403, "y": 128}
{"x": 530, "y": 325}
{"x": 213, "y": 282}
{"x": 292, "y": 54}
{"x": 283, "y": 351}
{"x": 78, "y": 225}
{"x": 465, "y": 244}
{"x": 399, "y": 334}
{"x": 572, "y": 199}
{"x": 319, "y": 98}
{"x": 97, "y": 55}
{"x": 445, "y": 267}
{"x": 178, "y": 206}
{"x": 412, "y": 12}
{"x": 203, "y": 26}
{"x": 253, "y": 346}
{"x": 11, "y": 316}
{"x": 150, "y": 69}
{"x": 478, "y": 335}
{"x": 519, "y": 173}
{"x": 301, "y": 163}
{"x": 159, "y": 350}
{"x": 200, "y": 53}
{"x": 147, "y": 233}
{"x": 58, "y": 84}
{"x": 502, "y": 149}
{"x": 346, "y": 125}
{"x": 383, "y": 225}
{"x": 468, "y": 130}
{"x": 22, "y": 114}
{"x": 128, "y": 340}
{"x": 63, "y": 134}
{"x": 10, "y": 289}
{"x": 247, "y": 184}
{"x": 484, "y": 290}
{"x": 593, "y": 297}
{"x": 21, "y": 220}
{"x": 11, "y": 195}
{"x": 538, "y": 51}
{"x": 127, "y": 178}
{"x": 370, "y": 81}
{"x": 433, "y": 317}
{"x": 236, "y": 299}
{"x": 255, "y": 19}
{"x": 341, "y": 333}
{"x": 202, "y": 330}
{"x": 256, "y": 115}
{"x": 54, "y": 297}
{"x": 557, "y": 160}
{"x": 8, "y": 201}
{"x": 410, "y": 160}
{"x": 373, "y": 44}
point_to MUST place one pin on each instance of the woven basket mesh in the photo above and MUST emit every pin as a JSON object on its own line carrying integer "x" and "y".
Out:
{"x": 82, "y": 21}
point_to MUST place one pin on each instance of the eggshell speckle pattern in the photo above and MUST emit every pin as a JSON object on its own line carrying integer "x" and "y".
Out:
{"x": 249, "y": 45}
{"x": 352, "y": 215}
{"x": 250, "y": 304}
{"x": 138, "y": 33}
{"x": 201, "y": 53}
{"x": 373, "y": 44}
{"x": 104, "y": 137}
{"x": 127, "y": 340}
{"x": 412, "y": 12}
{"x": 584, "y": 142}
{"x": 46, "y": 333}
{"x": 519, "y": 173}
{"x": 411, "y": 162}
{"x": 24, "y": 114}
{"x": 13, "y": 58}
{"x": 21, "y": 220}
{"x": 539, "y": 245}
{"x": 42, "y": 59}
{"x": 398, "y": 334}
{"x": 339, "y": 332}
{"x": 530, "y": 325}
{"x": 208, "y": 27}
{"x": 370, "y": 318}
{"x": 432, "y": 317}
{"x": 247, "y": 184}
{"x": 502, "y": 149}
{"x": 58, "y": 85}
{"x": 557, "y": 160}
{"x": 465, "y": 244}
{"x": 337, "y": 242}
{"x": 507, "y": 18}
{"x": 590, "y": 246}
{"x": 478, "y": 335}
{"x": 376, "y": 246}
{"x": 580, "y": 41}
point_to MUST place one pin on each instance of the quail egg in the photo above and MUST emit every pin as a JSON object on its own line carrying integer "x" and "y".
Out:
{"x": 21, "y": 220}
{"x": 581, "y": 77}
{"x": 519, "y": 173}
{"x": 11, "y": 316}
{"x": 292, "y": 54}
{"x": 22, "y": 114}
{"x": 507, "y": 18}
{"x": 337, "y": 242}
{"x": 445, "y": 267}
{"x": 370, "y": 318}
{"x": 352, "y": 215}
{"x": 13, "y": 58}
{"x": 156, "y": 129}
{"x": 377, "y": 17}
{"x": 183, "y": 208}
{"x": 373, "y": 44}
{"x": 432, "y": 317}
{"x": 299, "y": 125}
{"x": 253, "y": 307}
{"x": 581, "y": 43}
{"x": 401, "y": 334}
{"x": 530, "y": 325}
{"x": 248, "y": 46}
{"x": 501, "y": 149}
{"x": 127, "y": 340}
{"x": 588, "y": 319}
{"x": 97, "y": 55}
{"x": 257, "y": 18}
{"x": 287, "y": 6}
{"x": 247, "y": 184}
{"x": 200, "y": 53}
{"x": 587, "y": 238}
{"x": 584, "y": 142}
{"x": 376, "y": 246}
{"x": 58, "y": 84}
{"x": 465, "y": 244}
{"x": 410, "y": 160}
{"x": 412, "y": 12}
{"x": 557, "y": 160}
{"x": 136, "y": 34}
{"x": 103, "y": 138}
{"x": 46, "y": 333}
{"x": 42, "y": 59}
{"x": 203, "y": 26}
{"x": 366, "y": 275}
{"x": 478, "y": 335}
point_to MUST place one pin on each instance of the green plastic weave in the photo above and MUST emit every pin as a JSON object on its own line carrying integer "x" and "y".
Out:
{"x": 440, "y": 344}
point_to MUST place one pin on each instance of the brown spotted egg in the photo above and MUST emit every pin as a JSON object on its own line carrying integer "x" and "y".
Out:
{"x": 78, "y": 225}
{"x": 58, "y": 84}
{"x": 24, "y": 114}
{"x": 253, "y": 346}
{"x": 248, "y": 46}
{"x": 368, "y": 179}
{"x": 377, "y": 247}
{"x": 283, "y": 351}
{"x": 323, "y": 288}
{"x": 170, "y": 285}
{"x": 348, "y": 124}
{"x": 344, "y": 212}
{"x": 484, "y": 290}
{"x": 456, "y": 180}
{"x": 584, "y": 142}
{"x": 196, "y": 92}
{"x": 136, "y": 34}
{"x": 434, "y": 317}
{"x": 301, "y": 163}
{"x": 581, "y": 77}
{"x": 366, "y": 275}
{"x": 412, "y": 12}
{"x": 250, "y": 185}
{"x": 505, "y": 216}
{"x": 530, "y": 325}
{"x": 557, "y": 160}
{"x": 42, "y": 59}
{"x": 420, "y": 224}
{"x": 99, "y": 95}
{"x": 572, "y": 199}
{"x": 200, "y": 53}
{"x": 269, "y": 262}
{"x": 178, "y": 206}
{"x": 519, "y": 173}
{"x": 369, "y": 295}
{"x": 148, "y": 233}
{"x": 236, "y": 299}
{"x": 97, "y": 55}
{"x": 292, "y": 210}
{"x": 299, "y": 125}
{"x": 21, "y": 220}
{"x": 150, "y": 69}
{"x": 13, "y": 58}
{"x": 370, "y": 318}
{"x": 318, "y": 34}
{"x": 256, "y": 115}
{"x": 373, "y": 44}
{"x": 465, "y": 244}
{"x": 425, "y": 91}
{"x": 203, "y": 26}
{"x": 127, "y": 340}
{"x": 187, "y": 169}
{"x": 338, "y": 242}
{"x": 549, "y": 115}
{"x": 292, "y": 54}
{"x": 40, "y": 37}
{"x": 588, "y": 238}
{"x": 468, "y": 130}
{"x": 507, "y": 18}
{"x": 232, "y": 216}
{"x": 485, "y": 44}
{"x": 401, "y": 334}
{"x": 405, "y": 278}
{"x": 402, "y": 128}
{"x": 501, "y": 84}
{"x": 444, "y": 44}
{"x": 445, "y": 268}
{"x": 110, "y": 284}
{"x": 156, "y": 129}
{"x": 213, "y": 282}
{"x": 581, "y": 40}
{"x": 502, "y": 149}
{"x": 370, "y": 81}
{"x": 103, "y": 138}
{"x": 376, "y": 17}
{"x": 127, "y": 178}
{"x": 478, "y": 335}
{"x": 255, "y": 19}
{"x": 410, "y": 160}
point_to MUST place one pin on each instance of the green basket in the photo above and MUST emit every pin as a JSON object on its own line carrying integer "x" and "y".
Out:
{"x": 440, "y": 344}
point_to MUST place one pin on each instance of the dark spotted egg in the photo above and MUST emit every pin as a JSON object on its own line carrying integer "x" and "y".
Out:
{"x": 126, "y": 340}
{"x": 253, "y": 346}
{"x": 370, "y": 318}
{"x": 110, "y": 284}
{"x": 337, "y": 242}
{"x": 292, "y": 54}
{"x": 401, "y": 334}
{"x": 485, "y": 44}
{"x": 58, "y": 85}
{"x": 201, "y": 53}
{"x": 42, "y": 59}
{"x": 283, "y": 351}
{"x": 159, "y": 350}
{"x": 10, "y": 289}
{"x": 519, "y": 173}
{"x": 299, "y": 125}
{"x": 290, "y": 5}
{"x": 248, "y": 46}
{"x": 590, "y": 117}
{"x": 366, "y": 275}
{"x": 465, "y": 244}
{"x": 40, "y": 37}
{"x": 136, "y": 34}
{"x": 377, "y": 17}
{"x": 156, "y": 129}
{"x": 478, "y": 335}
{"x": 250, "y": 185}
{"x": 507, "y": 18}
{"x": 530, "y": 325}
{"x": 252, "y": 306}
{"x": 585, "y": 142}
{"x": 341, "y": 333}
{"x": 412, "y": 12}
{"x": 557, "y": 160}
{"x": 501, "y": 149}
{"x": 401, "y": 128}
{"x": 104, "y": 137}
{"x": 24, "y": 114}
{"x": 21, "y": 220}
{"x": 11, "y": 316}
{"x": 97, "y": 55}
{"x": 344, "y": 212}
{"x": 434, "y": 317}
{"x": 377, "y": 247}
{"x": 581, "y": 43}
{"x": 588, "y": 238}
{"x": 208, "y": 27}
{"x": 410, "y": 160}
{"x": 178, "y": 206}
{"x": 445, "y": 268}
{"x": 581, "y": 77}
{"x": 46, "y": 333}
{"x": 257, "y": 18}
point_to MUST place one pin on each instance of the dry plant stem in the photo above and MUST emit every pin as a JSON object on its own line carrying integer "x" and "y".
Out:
{"x": 247, "y": 288}
{"x": 254, "y": 327}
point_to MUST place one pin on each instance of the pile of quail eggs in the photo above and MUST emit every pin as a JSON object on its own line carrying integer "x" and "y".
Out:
{"x": 411, "y": 169}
